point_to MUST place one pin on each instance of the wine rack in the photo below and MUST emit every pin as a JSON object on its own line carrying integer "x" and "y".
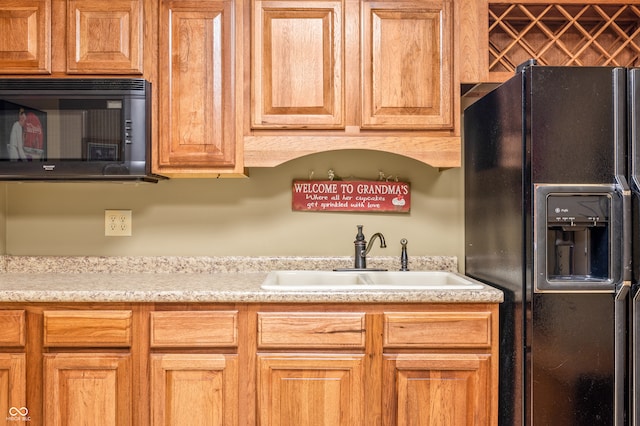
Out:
{"x": 563, "y": 34}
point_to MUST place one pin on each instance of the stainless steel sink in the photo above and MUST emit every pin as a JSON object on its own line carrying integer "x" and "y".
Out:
{"x": 367, "y": 280}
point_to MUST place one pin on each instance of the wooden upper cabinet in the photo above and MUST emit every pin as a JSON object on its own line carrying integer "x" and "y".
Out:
{"x": 104, "y": 37}
{"x": 297, "y": 64}
{"x": 498, "y": 36}
{"x": 24, "y": 40}
{"x": 352, "y": 74}
{"x": 101, "y": 37}
{"x": 408, "y": 65}
{"x": 197, "y": 88}
{"x": 404, "y": 78}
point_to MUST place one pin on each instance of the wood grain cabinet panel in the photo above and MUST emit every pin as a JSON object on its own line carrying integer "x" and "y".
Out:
{"x": 311, "y": 330}
{"x": 12, "y": 328}
{"x": 437, "y": 329}
{"x": 297, "y": 64}
{"x": 88, "y": 328}
{"x": 193, "y": 389}
{"x": 408, "y": 65}
{"x": 310, "y": 389}
{"x": 87, "y": 389}
{"x": 194, "y": 329}
{"x": 280, "y": 364}
{"x": 13, "y": 387}
{"x": 104, "y": 37}
{"x": 437, "y": 389}
{"x": 24, "y": 40}
{"x": 197, "y": 88}
{"x": 72, "y": 37}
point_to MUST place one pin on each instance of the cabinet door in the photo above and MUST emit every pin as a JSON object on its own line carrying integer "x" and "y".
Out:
{"x": 196, "y": 105}
{"x": 311, "y": 390}
{"x": 408, "y": 65}
{"x": 438, "y": 389}
{"x": 297, "y": 64}
{"x": 25, "y": 37}
{"x": 87, "y": 389}
{"x": 13, "y": 390}
{"x": 194, "y": 389}
{"x": 104, "y": 37}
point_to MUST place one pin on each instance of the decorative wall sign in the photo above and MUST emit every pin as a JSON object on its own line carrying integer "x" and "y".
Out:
{"x": 351, "y": 196}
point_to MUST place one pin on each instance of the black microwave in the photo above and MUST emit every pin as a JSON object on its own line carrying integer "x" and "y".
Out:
{"x": 75, "y": 130}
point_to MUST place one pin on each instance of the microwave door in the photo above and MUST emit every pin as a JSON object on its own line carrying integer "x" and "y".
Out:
{"x": 75, "y": 129}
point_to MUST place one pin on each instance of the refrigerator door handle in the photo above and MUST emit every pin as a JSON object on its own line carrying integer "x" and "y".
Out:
{"x": 622, "y": 187}
{"x": 620, "y": 349}
{"x": 621, "y": 306}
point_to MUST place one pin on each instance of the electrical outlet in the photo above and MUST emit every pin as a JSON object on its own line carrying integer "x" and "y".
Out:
{"x": 117, "y": 223}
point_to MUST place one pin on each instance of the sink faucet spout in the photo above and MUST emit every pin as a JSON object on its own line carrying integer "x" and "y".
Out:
{"x": 383, "y": 244}
{"x": 362, "y": 248}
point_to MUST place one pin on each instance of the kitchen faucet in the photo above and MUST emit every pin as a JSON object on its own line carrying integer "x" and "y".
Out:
{"x": 362, "y": 248}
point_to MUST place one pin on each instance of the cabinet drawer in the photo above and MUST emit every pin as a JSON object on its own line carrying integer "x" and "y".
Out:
{"x": 437, "y": 330}
{"x": 198, "y": 328}
{"x": 87, "y": 328}
{"x": 12, "y": 328}
{"x": 311, "y": 330}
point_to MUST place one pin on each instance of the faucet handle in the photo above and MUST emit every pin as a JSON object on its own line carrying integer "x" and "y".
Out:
{"x": 360, "y": 258}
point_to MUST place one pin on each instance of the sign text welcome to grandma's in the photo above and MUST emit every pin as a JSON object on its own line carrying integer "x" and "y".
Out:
{"x": 351, "y": 196}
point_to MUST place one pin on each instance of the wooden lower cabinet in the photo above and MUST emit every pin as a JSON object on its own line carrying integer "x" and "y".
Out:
{"x": 310, "y": 389}
{"x": 437, "y": 389}
{"x": 389, "y": 365}
{"x": 13, "y": 386}
{"x": 439, "y": 367}
{"x": 193, "y": 389}
{"x": 249, "y": 364}
{"x": 87, "y": 389}
{"x": 87, "y": 367}
{"x": 311, "y": 367}
{"x": 13, "y": 367}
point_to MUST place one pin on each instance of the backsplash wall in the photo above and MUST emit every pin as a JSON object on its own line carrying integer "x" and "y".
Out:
{"x": 234, "y": 217}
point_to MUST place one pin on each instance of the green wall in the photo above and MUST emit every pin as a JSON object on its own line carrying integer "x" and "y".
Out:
{"x": 224, "y": 217}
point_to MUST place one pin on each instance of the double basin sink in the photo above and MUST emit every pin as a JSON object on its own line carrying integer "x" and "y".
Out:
{"x": 367, "y": 280}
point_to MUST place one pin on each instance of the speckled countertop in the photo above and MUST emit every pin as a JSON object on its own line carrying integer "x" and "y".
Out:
{"x": 204, "y": 279}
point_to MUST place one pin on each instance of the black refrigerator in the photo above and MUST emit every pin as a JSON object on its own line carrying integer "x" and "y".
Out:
{"x": 551, "y": 218}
